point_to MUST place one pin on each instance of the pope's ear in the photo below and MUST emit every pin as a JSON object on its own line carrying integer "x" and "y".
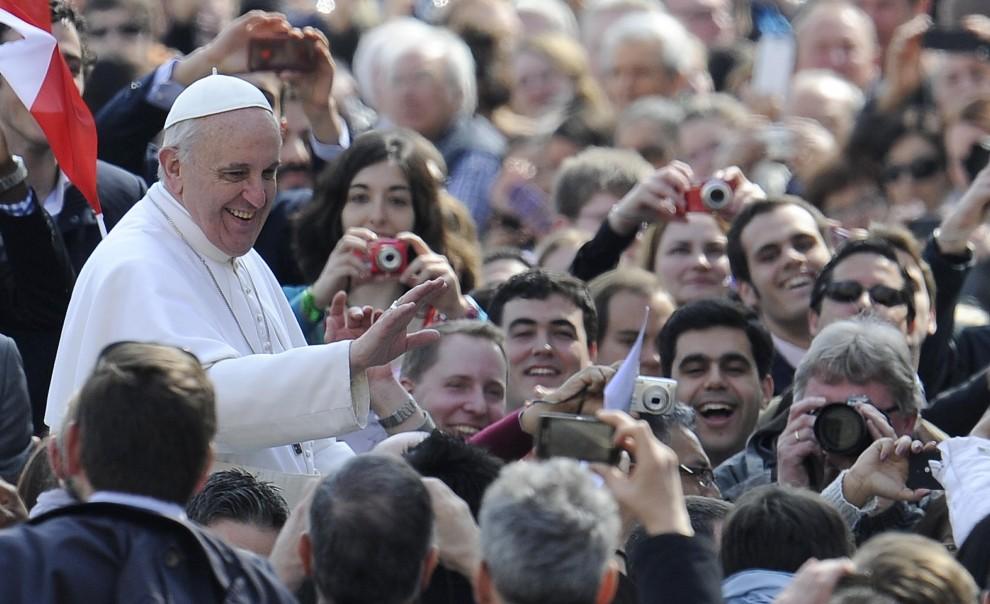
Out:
{"x": 168, "y": 159}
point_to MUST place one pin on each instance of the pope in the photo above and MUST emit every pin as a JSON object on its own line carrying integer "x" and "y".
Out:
{"x": 179, "y": 269}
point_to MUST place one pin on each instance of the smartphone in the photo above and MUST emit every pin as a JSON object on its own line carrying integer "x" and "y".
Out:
{"x": 979, "y": 156}
{"x": 576, "y": 436}
{"x": 281, "y": 54}
{"x": 920, "y": 475}
{"x": 956, "y": 40}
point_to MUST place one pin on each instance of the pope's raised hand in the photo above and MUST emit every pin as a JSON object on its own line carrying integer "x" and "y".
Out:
{"x": 387, "y": 338}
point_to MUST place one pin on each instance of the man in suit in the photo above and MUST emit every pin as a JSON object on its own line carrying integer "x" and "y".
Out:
{"x": 140, "y": 445}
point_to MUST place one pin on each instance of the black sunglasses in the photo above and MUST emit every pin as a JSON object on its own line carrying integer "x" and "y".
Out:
{"x": 919, "y": 169}
{"x": 850, "y": 291}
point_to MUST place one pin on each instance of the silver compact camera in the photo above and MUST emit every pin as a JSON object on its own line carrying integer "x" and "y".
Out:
{"x": 654, "y": 396}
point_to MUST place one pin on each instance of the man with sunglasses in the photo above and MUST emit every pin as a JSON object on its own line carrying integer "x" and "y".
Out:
{"x": 864, "y": 277}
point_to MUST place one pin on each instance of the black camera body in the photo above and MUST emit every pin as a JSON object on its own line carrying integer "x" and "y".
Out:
{"x": 841, "y": 430}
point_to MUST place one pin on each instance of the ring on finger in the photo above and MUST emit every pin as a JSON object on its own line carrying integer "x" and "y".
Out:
{"x": 797, "y": 435}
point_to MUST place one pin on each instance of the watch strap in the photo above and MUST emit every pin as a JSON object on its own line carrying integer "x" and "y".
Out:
{"x": 19, "y": 175}
{"x": 401, "y": 414}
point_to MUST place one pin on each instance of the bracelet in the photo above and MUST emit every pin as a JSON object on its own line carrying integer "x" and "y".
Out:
{"x": 307, "y": 305}
{"x": 401, "y": 414}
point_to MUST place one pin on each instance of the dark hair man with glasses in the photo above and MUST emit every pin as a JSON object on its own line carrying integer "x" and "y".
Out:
{"x": 864, "y": 277}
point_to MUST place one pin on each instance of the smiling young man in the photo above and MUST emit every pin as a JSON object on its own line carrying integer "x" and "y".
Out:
{"x": 461, "y": 378}
{"x": 776, "y": 249}
{"x": 720, "y": 356}
{"x": 550, "y": 327}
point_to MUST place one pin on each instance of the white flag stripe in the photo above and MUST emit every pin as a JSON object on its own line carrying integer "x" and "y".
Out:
{"x": 24, "y": 63}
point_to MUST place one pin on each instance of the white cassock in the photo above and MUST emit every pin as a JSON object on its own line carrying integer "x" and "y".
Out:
{"x": 156, "y": 278}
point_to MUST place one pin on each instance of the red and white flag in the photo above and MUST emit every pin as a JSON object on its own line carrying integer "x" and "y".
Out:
{"x": 35, "y": 70}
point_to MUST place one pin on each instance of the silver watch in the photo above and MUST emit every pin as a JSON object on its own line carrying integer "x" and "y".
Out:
{"x": 9, "y": 181}
{"x": 401, "y": 414}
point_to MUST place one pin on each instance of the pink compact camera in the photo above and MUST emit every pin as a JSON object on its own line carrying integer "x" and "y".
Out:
{"x": 710, "y": 196}
{"x": 388, "y": 256}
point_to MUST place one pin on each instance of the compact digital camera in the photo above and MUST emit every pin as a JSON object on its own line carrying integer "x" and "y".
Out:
{"x": 388, "y": 256}
{"x": 654, "y": 396}
{"x": 841, "y": 430}
{"x": 710, "y": 196}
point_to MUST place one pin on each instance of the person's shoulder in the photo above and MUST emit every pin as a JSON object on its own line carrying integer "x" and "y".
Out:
{"x": 244, "y": 567}
{"x": 108, "y": 175}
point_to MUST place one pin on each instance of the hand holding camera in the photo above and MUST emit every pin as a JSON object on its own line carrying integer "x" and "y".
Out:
{"x": 883, "y": 470}
{"x": 583, "y": 392}
{"x": 346, "y": 265}
{"x": 655, "y": 198}
{"x": 427, "y": 265}
{"x": 651, "y": 491}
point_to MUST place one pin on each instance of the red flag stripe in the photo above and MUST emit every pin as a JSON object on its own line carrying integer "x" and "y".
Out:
{"x": 57, "y": 107}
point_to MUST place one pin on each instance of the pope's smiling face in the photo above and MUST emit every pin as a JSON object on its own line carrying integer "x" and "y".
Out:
{"x": 226, "y": 180}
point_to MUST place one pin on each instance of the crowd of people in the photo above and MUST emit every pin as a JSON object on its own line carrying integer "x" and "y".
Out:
{"x": 363, "y": 256}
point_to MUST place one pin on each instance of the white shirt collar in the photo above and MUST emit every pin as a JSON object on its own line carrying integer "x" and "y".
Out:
{"x": 165, "y": 508}
{"x": 55, "y": 200}
{"x": 184, "y": 222}
{"x": 792, "y": 353}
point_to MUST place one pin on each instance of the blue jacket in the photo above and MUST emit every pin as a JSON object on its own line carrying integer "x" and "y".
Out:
{"x": 108, "y": 552}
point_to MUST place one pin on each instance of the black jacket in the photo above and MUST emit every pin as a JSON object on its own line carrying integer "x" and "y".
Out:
{"x": 106, "y": 552}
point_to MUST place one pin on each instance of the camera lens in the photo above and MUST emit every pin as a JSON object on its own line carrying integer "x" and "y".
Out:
{"x": 389, "y": 259}
{"x": 716, "y": 194}
{"x": 840, "y": 429}
{"x": 656, "y": 400}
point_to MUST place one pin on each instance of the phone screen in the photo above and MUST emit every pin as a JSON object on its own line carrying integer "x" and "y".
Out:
{"x": 577, "y": 437}
{"x": 956, "y": 40}
{"x": 920, "y": 475}
{"x": 281, "y": 54}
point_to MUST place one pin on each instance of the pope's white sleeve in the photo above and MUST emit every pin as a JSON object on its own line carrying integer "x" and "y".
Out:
{"x": 307, "y": 393}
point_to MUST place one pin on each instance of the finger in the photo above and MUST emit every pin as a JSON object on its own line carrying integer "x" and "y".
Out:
{"x": 422, "y": 337}
{"x": 424, "y": 292}
{"x": 361, "y": 232}
{"x": 408, "y": 276}
{"x": 616, "y": 419}
{"x": 805, "y": 406}
{"x": 338, "y": 304}
{"x": 415, "y": 242}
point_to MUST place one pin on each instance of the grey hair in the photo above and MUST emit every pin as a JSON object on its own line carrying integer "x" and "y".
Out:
{"x": 547, "y": 533}
{"x": 661, "y": 28}
{"x": 862, "y": 350}
{"x": 596, "y": 170}
{"x": 663, "y": 425}
{"x": 367, "y": 65}
{"x": 184, "y": 135}
{"x": 181, "y": 137}
{"x": 554, "y": 11}
{"x": 436, "y": 42}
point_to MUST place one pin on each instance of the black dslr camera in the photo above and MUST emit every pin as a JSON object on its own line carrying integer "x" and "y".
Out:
{"x": 841, "y": 430}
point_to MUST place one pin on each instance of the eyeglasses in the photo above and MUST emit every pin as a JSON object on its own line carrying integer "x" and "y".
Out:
{"x": 124, "y": 29}
{"x": 919, "y": 169}
{"x": 703, "y": 476}
{"x": 850, "y": 291}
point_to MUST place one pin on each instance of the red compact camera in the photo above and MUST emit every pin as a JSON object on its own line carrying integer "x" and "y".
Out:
{"x": 710, "y": 196}
{"x": 388, "y": 256}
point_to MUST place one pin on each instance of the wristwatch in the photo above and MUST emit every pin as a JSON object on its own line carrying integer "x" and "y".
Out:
{"x": 9, "y": 181}
{"x": 401, "y": 414}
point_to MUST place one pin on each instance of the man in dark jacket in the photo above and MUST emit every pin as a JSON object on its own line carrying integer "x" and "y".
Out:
{"x": 139, "y": 448}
